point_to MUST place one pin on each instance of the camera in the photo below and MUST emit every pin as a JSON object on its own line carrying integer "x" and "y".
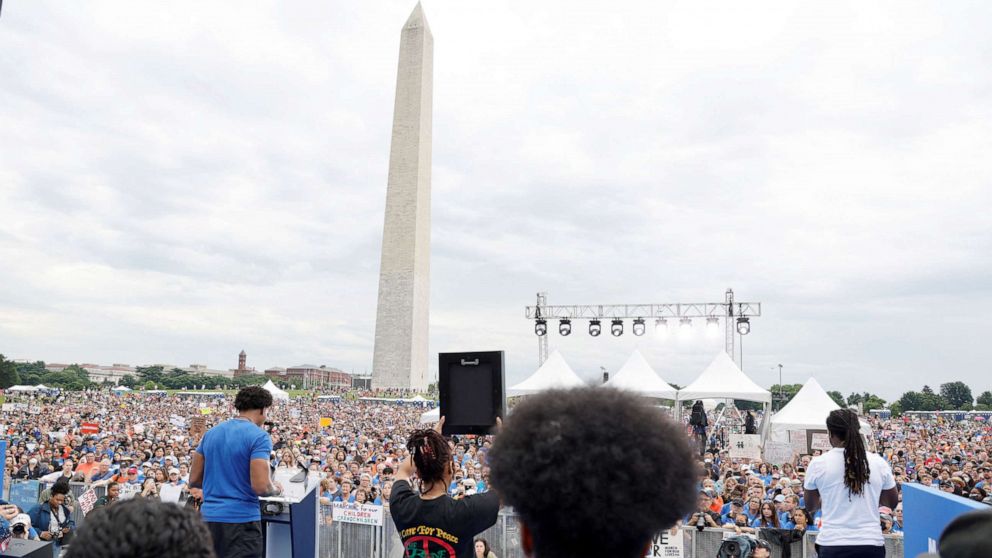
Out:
{"x": 18, "y": 529}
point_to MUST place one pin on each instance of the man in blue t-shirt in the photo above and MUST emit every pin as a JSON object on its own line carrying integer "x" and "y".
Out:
{"x": 231, "y": 466}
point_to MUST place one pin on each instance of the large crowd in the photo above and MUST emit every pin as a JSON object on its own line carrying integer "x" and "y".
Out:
{"x": 144, "y": 445}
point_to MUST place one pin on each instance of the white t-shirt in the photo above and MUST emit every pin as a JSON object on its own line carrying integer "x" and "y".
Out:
{"x": 848, "y": 519}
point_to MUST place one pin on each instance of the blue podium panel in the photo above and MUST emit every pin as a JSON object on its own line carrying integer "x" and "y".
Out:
{"x": 293, "y": 533}
{"x": 926, "y": 511}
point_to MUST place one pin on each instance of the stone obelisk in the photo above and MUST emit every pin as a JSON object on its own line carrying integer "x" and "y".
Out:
{"x": 401, "y": 326}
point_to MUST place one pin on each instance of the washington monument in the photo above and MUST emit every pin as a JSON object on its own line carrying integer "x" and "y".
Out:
{"x": 401, "y": 325}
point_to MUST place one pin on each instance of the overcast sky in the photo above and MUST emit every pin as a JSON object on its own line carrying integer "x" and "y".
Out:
{"x": 182, "y": 180}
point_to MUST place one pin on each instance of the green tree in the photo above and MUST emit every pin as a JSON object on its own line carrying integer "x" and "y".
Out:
{"x": 129, "y": 381}
{"x": 746, "y": 405}
{"x": 8, "y": 373}
{"x": 867, "y": 400}
{"x": 837, "y": 397}
{"x": 31, "y": 372}
{"x": 781, "y": 395}
{"x": 910, "y": 401}
{"x": 932, "y": 401}
{"x": 985, "y": 398}
{"x": 150, "y": 374}
{"x": 896, "y": 409}
{"x": 957, "y": 395}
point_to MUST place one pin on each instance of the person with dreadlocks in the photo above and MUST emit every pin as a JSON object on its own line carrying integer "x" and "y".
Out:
{"x": 851, "y": 484}
{"x": 433, "y": 523}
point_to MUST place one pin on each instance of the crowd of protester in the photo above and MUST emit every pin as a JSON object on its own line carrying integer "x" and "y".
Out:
{"x": 146, "y": 442}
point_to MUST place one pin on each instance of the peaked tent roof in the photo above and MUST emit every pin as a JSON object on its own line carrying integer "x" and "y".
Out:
{"x": 722, "y": 379}
{"x": 431, "y": 417}
{"x": 637, "y": 375}
{"x": 277, "y": 394}
{"x": 808, "y": 409}
{"x": 554, "y": 373}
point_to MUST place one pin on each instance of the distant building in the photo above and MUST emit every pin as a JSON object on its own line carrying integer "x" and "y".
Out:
{"x": 242, "y": 369}
{"x": 307, "y": 376}
{"x": 99, "y": 374}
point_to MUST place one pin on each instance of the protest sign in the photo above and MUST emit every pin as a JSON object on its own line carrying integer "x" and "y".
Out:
{"x": 87, "y": 500}
{"x": 818, "y": 440}
{"x": 7, "y": 407}
{"x": 294, "y": 413}
{"x": 326, "y": 421}
{"x": 177, "y": 421}
{"x": 745, "y": 446}
{"x": 89, "y": 428}
{"x": 364, "y": 514}
{"x": 128, "y": 491}
{"x": 139, "y": 428}
{"x": 778, "y": 453}
{"x": 170, "y": 493}
{"x": 667, "y": 545}
{"x": 197, "y": 425}
{"x": 206, "y": 411}
{"x": 797, "y": 438}
{"x": 24, "y": 494}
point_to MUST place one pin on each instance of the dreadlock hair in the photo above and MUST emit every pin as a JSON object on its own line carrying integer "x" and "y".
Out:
{"x": 431, "y": 454}
{"x": 843, "y": 424}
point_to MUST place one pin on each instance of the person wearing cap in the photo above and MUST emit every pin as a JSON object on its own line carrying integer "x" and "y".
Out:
{"x": 736, "y": 509}
{"x": 20, "y": 527}
{"x": 703, "y": 516}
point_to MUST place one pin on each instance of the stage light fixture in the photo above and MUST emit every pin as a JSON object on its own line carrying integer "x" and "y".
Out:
{"x": 616, "y": 328}
{"x": 685, "y": 323}
{"x": 713, "y": 323}
{"x": 638, "y": 327}
{"x": 743, "y": 326}
{"x": 565, "y": 327}
{"x": 541, "y": 327}
{"x": 661, "y": 328}
{"x": 595, "y": 328}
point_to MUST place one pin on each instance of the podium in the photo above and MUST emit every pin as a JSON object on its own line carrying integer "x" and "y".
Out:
{"x": 292, "y": 533}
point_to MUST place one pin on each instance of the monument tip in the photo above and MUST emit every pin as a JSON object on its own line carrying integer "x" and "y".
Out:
{"x": 416, "y": 19}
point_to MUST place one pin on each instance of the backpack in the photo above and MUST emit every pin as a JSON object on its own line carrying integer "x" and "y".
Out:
{"x": 736, "y": 547}
{"x": 698, "y": 417}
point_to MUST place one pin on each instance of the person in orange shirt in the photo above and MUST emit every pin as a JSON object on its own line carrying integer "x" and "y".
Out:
{"x": 87, "y": 465}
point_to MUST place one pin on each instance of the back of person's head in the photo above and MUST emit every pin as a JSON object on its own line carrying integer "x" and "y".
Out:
{"x": 843, "y": 424}
{"x": 61, "y": 486}
{"x": 142, "y": 528}
{"x": 592, "y": 472}
{"x": 432, "y": 456}
{"x": 252, "y": 398}
{"x": 967, "y": 536}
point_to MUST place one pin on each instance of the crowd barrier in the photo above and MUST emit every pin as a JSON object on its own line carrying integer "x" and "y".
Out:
{"x": 349, "y": 540}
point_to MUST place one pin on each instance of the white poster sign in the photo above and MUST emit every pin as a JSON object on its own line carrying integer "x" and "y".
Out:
{"x": 745, "y": 446}
{"x": 797, "y": 439}
{"x": 820, "y": 441}
{"x": 363, "y": 514}
{"x": 177, "y": 421}
{"x": 778, "y": 453}
{"x": 667, "y": 545}
{"x": 170, "y": 493}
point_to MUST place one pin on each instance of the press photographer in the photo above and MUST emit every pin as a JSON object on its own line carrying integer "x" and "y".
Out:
{"x": 53, "y": 518}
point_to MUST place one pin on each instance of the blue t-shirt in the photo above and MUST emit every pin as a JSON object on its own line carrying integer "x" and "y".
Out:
{"x": 227, "y": 451}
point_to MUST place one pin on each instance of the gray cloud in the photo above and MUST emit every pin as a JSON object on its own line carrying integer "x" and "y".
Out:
{"x": 181, "y": 181}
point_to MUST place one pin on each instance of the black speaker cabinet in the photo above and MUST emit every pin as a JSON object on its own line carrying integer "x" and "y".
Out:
{"x": 29, "y": 549}
{"x": 472, "y": 391}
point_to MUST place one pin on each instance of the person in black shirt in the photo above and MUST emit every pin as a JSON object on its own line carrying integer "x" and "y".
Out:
{"x": 433, "y": 523}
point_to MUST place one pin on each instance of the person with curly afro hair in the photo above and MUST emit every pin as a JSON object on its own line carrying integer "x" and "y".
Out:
{"x": 142, "y": 528}
{"x": 592, "y": 472}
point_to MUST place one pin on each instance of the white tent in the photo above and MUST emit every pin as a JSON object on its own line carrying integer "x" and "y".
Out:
{"x": 722, "y": 379}
{"x": 23, "y": 389}
{"x": 637, "y": 375}
{"x": 42, "y": 387}
{"x": 277, "y": 394}
{"x": 807, "y": 410}
{"x": 431, "y": 417}
{"x": 554, "y": 373}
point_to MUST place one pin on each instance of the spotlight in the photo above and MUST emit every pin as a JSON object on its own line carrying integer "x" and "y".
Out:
{"x": 594, "y": 328}
{"x": 565, "y": 327}
{"x": 743, "y": 326}
{"x": 713, "y": 323}
{"x": 661, "y": 327}
{"x": 638, "y": 327}
{"x": 541, "y": 327}
{"x": 616, "y": 328}
{"x": 685, "y": 324}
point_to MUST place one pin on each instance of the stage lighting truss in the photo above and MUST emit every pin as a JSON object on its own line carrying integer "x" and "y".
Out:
{"x": 743, "y": 326}
{"x": 541, "y": 327}
{"x": 565, "y": 327}
{"x": 595, "y": 328}
{"x": 616, "y": 328}
{"x": 638, "y": 327}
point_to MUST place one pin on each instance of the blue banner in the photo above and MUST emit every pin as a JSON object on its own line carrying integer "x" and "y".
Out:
{"x": 926, "y": 511}
{"x": 3, "y": 459}
{"x": 25, "y": 494}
